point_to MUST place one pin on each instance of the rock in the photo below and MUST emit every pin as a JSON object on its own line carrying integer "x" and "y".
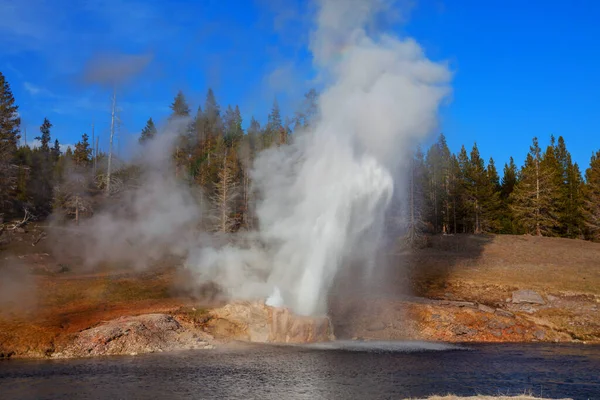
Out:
{"x": 257, "y": 322}
{"x": 132, "y": 335}
{"x": 495, "y": 324}
{"x": 527, "y": 308}
{"x": 436, "y": 316}
{"x": 527, "y": 296}
{"x": 551, "y": 298}
{"x": 484, "y": 308}
{"x": 496, "y": 333}
{"x": 461, "y": 330}
{"x": 503, "y": 313}
{"x": 539, "y": 334}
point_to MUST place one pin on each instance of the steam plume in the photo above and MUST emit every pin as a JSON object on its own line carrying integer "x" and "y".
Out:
{"x": 325, "y": 195}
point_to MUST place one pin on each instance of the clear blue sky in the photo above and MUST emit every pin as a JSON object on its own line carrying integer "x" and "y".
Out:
{"x": 522, "y": 68}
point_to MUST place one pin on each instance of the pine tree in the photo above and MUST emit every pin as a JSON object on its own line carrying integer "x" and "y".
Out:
{"x": 274, "y": 128}
{"x": 254, "y": 134}
{"x": 466, "y": 216}
{"x": 417, "y": 181}
{"x": 212, "y": 116}
{"x": 9, "y": 138}
{"x": 509, "y": 180}
{"x": 591, "y": 198}
{"x": 232, "y": 124}
{"x": 55, "y": 152}
{"x": 570, "y": 184}
{"x": 438, "y": 165}
{"x": 455, "y": 195}
{"x": 83, "y": 152}
{"x": 149, "y": 131}
{"x": 180, "y": 107}
{"x": 476, "y": 185}
{"x": 44, "y": 138}
{"x": 533, "y": 200}
{"x": 307, "y": 111}
{"x": 180, "y": 111}
{"x": 491, "y": 201}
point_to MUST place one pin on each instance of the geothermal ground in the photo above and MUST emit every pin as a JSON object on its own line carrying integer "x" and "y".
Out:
{"x": 462, "y": 288}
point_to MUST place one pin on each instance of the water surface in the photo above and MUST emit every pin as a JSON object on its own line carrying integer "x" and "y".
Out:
{"x": 341, "y": 370}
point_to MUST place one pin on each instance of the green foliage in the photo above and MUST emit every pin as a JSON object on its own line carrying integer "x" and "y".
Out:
{"x": 591, "y": 198}
{"x": 9, "y": 138}
{"x": 82, "y": 156}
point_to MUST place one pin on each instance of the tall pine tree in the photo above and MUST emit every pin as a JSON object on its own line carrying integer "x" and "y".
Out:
{"x": 149, "y": 131}
{"x": 9, "y": 139}
{"x": 533, "y": 200}
{"x": 591, "y": 198}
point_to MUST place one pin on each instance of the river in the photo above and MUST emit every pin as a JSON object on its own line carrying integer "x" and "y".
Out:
{"x": 340, "y": 370}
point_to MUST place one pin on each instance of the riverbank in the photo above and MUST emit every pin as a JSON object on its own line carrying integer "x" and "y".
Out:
{"x": 462, "y": 288}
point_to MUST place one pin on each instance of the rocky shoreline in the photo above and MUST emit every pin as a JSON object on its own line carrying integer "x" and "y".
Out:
{"x": 186, "y": 329}
{"x": 517, "y": 319}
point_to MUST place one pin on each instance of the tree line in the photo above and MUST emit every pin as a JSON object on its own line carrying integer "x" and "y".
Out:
{"x": 461, "y": 193}
{"x": 446, "y": 193}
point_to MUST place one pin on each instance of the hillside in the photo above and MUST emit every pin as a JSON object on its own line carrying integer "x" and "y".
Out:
{"x": 462, "y": 288}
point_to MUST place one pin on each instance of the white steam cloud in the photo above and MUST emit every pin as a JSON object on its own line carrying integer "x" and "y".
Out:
{"x": 324, "y": 196}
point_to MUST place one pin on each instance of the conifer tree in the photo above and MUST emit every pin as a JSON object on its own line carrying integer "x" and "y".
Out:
{"x": 44, "y": 138}
{"x": 83, "y": 152}
{"x": 180, "y": 107}
{"x": 417, "y": 181}
{"x": 455, "y": 195}
{"x": 180, "y": 111}
{"x": 438, "y": 165}
{"x": 307, "y": 110}
{"x": 254, "y": 134}
{"x": 9, "y": 138}
{"x": 509, "y": 180}
{"x": 274, "y": 127}
{"x": 149, "y": 131}
{"x": 533, "y": 200}
{"x": 55, "y": 152}
{"x": 569, "y": 194}
{"x": 591, "y": 198}
{"x": 491, "y": 201}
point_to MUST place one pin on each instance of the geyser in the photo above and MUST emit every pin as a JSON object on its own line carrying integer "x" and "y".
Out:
{"x": 324, "y": 195}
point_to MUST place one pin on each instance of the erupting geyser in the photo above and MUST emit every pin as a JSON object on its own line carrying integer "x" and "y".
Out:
{"x": 324, "y": 196}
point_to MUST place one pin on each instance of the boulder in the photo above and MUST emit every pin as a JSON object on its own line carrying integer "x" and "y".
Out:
{"x": 134, "y": 335}
{"x": 257, "y": 322}
{"x": 527, "y": 296}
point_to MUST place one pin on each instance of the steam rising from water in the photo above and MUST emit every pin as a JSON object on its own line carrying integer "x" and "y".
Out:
{"x": 324, "y": 196}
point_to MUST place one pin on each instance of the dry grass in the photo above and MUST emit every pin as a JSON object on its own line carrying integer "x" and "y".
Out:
{"x": 506, "y": 261}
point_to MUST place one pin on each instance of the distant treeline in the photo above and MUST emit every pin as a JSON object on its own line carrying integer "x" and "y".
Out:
{"x": 447, "y": 193}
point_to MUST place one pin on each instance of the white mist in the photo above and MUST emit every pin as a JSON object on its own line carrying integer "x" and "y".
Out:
{"x": 324, "y": 196}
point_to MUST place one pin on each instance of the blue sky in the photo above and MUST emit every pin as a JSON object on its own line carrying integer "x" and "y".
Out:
{"x": 521, "y": 69}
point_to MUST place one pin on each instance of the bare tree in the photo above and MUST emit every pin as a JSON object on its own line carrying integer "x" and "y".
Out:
{"x": 112, "y": 134}
{"x": 224, "y": 197}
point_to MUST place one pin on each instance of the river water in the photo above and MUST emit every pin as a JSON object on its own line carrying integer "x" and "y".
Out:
{"x": 341, "y": 370}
